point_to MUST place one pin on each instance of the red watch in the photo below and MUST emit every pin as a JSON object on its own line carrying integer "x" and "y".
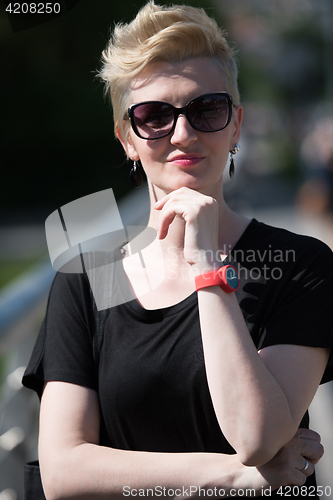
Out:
{"x": 226, "y": 277}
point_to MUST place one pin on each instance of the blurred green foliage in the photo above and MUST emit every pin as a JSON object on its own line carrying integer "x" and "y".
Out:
{"x": 13, "y": 268}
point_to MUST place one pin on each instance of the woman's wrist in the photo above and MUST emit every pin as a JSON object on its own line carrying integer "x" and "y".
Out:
{"x": 223, "y": 475}
{"x": 205, "y": 266}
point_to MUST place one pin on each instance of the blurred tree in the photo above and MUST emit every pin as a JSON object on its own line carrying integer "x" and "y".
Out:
{"x": 283, "y": 47}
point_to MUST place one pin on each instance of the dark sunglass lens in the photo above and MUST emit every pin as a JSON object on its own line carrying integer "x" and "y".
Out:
{"x": 153, "y": 119}
{"x": 209, "y": 113}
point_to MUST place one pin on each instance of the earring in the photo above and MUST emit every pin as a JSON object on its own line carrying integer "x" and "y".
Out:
{"x": 232, "y": 163}
{"x": 135, "y": 176}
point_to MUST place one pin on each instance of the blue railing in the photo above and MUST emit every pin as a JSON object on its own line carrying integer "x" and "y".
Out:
{"x": 23, "y": 293}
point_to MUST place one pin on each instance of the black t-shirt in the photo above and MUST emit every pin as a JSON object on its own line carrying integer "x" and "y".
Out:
{"x": 151, "y": 377}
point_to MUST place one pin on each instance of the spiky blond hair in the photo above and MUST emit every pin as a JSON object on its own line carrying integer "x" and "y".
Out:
{"x": 162, "y": 34}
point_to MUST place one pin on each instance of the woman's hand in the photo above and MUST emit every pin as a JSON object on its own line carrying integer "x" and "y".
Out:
{"x": 200, "y": 214}
{"x": 285, "y": 469}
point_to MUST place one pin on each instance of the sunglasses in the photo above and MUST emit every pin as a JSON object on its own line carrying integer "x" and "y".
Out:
{"x": 155, "y": 119}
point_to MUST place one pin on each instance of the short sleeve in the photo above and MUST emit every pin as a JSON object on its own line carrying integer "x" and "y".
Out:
{"x": 304, "y": 312}
{"x": 63, "y": 350}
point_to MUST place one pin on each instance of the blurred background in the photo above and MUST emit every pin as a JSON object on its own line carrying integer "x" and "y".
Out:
{"x": 58, "y": 145}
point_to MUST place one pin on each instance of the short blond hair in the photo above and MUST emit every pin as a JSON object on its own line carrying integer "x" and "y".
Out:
{"x": 162, "y": 34}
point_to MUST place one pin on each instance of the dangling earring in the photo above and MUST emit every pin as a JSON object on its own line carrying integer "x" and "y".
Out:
{"x": 232, "y": 163}
{"x": 135, "y": 176}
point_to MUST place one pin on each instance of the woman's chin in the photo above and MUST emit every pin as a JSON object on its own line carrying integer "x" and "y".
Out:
{"x": 191, "y": 182}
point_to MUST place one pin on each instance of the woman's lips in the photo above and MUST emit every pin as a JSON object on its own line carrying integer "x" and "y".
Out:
{"x": 186, "y": 160}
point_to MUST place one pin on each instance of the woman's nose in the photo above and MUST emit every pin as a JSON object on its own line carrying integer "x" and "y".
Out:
{"x": 183, "y": 132}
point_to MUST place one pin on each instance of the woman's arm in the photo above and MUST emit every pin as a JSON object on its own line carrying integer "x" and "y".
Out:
{"x": 73, "y": 465}
{"x": 259, "y": 398}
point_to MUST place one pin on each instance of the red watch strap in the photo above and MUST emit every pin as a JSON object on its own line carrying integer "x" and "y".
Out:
{"x": 214, "y": 278}
{"x": 208, "y": 279}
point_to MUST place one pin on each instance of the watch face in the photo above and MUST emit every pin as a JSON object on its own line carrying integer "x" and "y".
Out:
{"x": 232, "y": 277}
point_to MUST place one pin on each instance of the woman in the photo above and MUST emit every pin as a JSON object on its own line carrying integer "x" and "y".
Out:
{"x": 204, "y": 381}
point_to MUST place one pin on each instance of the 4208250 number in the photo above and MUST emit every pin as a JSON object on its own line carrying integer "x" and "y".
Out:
{"x": 34, "y": 8}
{"x": 304, "y": 491}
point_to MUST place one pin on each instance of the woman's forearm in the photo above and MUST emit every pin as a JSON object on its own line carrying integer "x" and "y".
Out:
{"x": 74, "y": 466}
{"x": 90, "y": 471}
{"x": 250, "y": 406}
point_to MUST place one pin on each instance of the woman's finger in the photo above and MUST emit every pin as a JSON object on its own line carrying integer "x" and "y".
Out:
{"x": 305, "y": 466}
{"x": 175, "y": 196}
{"x": 308, "y": 434}
{"x": 169, "y": 212}
{"x": 312, "y": 450}
{"x": 298, "y": 478}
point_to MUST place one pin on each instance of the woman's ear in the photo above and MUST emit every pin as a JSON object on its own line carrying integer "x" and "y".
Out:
{"x": 238, "y": 117}
{"x": 127, "y": 144}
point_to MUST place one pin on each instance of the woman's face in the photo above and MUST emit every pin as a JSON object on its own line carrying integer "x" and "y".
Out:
{"x": 186, "y": 157}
